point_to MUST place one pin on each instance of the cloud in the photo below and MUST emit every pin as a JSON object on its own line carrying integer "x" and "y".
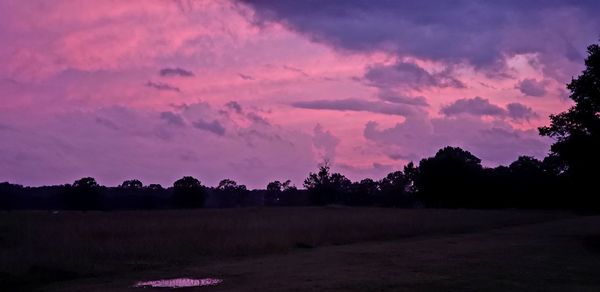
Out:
{"x": 408, "y": 75}
{"x": 294, "y": 69}
{"x": 480, "y": 34}
{"x": 410, "y": 100}
{"x": 532, "y": 87}
{"x": 162, "y": 86}
{"x": 234, "y": 106}
{"x": 351, "y": 104}
{"x": 495, "y": 142}
{"x": 172, "y": 118}
{"x": 245, "y": 77}
{"x": 171, "y": 72}
{"x": 255, "y": 118}
{"x": 72, "y": 144}
{"x": 476, "y": 106}
{"x": 325, "y": 142}
{"x": 214, "y": 127}
{"x": 518, "y": 111}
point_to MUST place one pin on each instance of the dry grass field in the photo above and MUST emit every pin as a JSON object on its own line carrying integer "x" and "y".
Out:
{"x": 288, "y": 248}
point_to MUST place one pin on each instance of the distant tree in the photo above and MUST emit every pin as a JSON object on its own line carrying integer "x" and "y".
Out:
{"x": 154, "y": 187}
{"x": 325, "y": 187}
{"x": 363, "y": 193}
{"x": 84, "y": 194}
{"x": 276, "y": 190}
{"x": 132, "y": 184}
{"x": 450, "y": 179}
{"x": 395, "y": 190}
{"x": 231, "y": 194}
{"x": 411, "y": 172}
{"x": 188, "y": 192}
{"x": 85, "y": 183}
{"x": 577, "y": 132}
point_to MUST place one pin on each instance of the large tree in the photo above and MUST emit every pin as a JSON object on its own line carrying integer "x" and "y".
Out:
{"x": 326, "y": 187}
{"x": 577, "y": 130}
{"x": 188, "y": 192}
{"x": 450, "y": 179}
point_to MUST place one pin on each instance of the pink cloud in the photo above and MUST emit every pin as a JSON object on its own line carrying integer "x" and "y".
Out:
{"x": 160, "y": 89}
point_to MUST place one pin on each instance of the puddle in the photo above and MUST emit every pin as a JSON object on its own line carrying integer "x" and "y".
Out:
{"x": 178, "y": 283}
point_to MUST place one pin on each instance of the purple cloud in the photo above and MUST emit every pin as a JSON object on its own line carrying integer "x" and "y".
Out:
{"x": 234, "y": 105}
{"x": 214, "y": 127}
{"x": 476, "y": 106}
{"x": 325, "y": 141}
{"x": 532, "y": 87}
{"x": 351, "y": 104}
{"x": 494, "y": 142}
{"x": 408, "y": 75}
{"x": 162, "y": 86}
{"x": 454, "y": 32}
{"x": 518, "y": 111}
{"x": 410, "y": 100}
{"x": 172, "y": 118}
{"x": 173, "y": 72}
{"x": 245, "y": 77}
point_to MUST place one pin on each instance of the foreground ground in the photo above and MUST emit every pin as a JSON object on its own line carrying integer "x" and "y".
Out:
{"x": 300, "y": 249}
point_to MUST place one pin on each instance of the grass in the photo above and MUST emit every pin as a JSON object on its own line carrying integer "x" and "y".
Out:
{"x": 38, "y": 248}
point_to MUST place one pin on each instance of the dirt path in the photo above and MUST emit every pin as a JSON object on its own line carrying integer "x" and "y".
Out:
{"x": 561, "y": 255}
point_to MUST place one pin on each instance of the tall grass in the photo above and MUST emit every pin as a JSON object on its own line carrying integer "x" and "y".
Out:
{"x": 42, "y": 246}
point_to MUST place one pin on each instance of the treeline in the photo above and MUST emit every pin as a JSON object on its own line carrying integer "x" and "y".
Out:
{"x": 454, "y": 178}
{"x": 187, "y": 192}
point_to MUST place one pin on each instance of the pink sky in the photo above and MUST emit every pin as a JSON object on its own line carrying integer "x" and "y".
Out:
{"x": 159, "y": 89}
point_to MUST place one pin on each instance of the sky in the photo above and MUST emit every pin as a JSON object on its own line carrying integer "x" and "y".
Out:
{"x": 257, "y": 91}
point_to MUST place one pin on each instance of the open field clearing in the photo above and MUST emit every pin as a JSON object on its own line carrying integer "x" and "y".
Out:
{"x": 275, "y": 249}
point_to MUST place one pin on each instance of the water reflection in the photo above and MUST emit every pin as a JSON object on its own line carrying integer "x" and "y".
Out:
{"x": 178, "y": 283}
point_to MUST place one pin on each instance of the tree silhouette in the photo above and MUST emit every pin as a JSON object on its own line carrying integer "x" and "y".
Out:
{"x": 325, "y": 187}
{"x": 132, "y": 184}
{"x": 395, "y": 189}
{"x": 188, "y": 192}
{"x": 363, "y": 193}
{"x": 231, "y": 194}
{"x": 449, "y": 179}
{"x": 83, "y": 194}
{"x": 85, "y": 183}
{"x": 276, "y": 190}
{"x": 577, "y": 130}
{"x": 154, "y": 187}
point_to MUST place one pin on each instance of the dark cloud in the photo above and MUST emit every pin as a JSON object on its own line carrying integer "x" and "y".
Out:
{"x": 352, "y": 104}
{"x": 495, "y": 142}
{"x": 234, "y": 106}
{"x": 171, "y": 72}
{"x": 476, "y": 106}
{"x": 518, "y": 111}
{"x": 214, "y": 127}
{"x": 162, "y": 86}
{"x": 172, "y": 118}
{"x": 408, "y": 75}
{"x": 532, "y": 87}
{"x": 463, "y": 31}
{"x": 255, "y": 118}
{"x": 294, "y": 69}
{"x": 245, "y": 77}
{"x": 107, "y": 123}
{"x": 410, "y": 100}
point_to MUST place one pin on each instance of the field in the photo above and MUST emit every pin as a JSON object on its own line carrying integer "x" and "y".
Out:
{"x": 299, "y": 249}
